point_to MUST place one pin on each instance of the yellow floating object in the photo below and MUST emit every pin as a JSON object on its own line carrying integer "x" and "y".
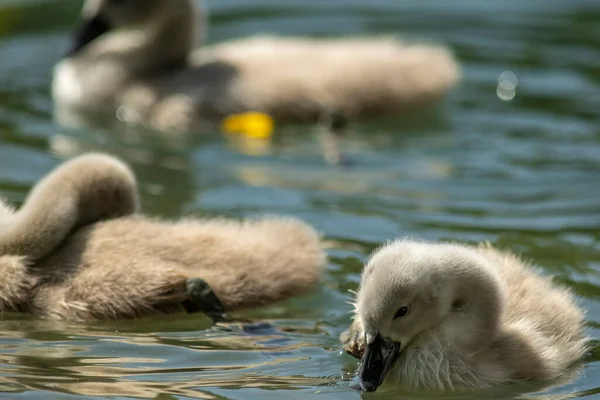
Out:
{"x": 251, "y": 124}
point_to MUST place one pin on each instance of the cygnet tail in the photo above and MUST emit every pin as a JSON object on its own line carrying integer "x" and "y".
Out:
{"x": 272, "y": 259}
{"x": 388, "y": 75}
{"x": 84, "y": 190}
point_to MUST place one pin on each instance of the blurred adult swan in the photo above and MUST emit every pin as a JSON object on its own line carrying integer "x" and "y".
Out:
{"x": 136, "y": 57}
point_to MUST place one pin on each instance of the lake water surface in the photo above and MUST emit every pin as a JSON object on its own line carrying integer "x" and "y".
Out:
{"x": 523, "y": 174}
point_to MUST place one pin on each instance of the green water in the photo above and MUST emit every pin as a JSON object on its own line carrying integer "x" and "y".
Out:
{"x": 524, "y": 174}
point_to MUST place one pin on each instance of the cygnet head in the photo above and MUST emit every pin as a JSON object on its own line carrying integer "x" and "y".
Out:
{"x": 411, "y": 290}
{"x": 145, "y": 21}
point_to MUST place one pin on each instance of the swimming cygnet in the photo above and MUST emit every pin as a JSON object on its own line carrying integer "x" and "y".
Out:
{"x": 135, "y": 57}
{"x": 77, "y": 250}
{"x": 443, "y": 316}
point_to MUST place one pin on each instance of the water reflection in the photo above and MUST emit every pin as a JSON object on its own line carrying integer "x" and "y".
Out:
{"x": 68, "y": 359}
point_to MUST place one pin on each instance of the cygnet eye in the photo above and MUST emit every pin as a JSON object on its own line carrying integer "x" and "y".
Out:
{"x": 402, "y": 311}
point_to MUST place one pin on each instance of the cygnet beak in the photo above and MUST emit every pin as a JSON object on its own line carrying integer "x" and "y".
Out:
{"x": 379, "y": 357}
{"x": 88, "y": 30}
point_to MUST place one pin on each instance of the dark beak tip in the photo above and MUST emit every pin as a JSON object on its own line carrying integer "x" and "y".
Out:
{"x": 377, "y": 361}
{"x": 368, "y": 386}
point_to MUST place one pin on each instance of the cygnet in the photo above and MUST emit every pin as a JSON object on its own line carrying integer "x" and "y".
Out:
{"x": 447, "y": 316}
